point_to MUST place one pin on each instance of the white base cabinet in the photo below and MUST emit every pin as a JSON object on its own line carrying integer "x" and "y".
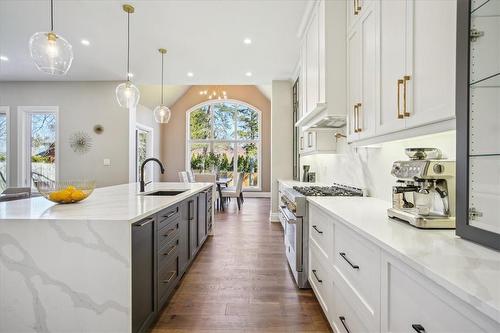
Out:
{"x": 362, "y": 288}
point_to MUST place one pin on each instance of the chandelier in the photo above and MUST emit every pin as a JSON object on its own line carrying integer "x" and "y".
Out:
{"x": 214, "y": 93}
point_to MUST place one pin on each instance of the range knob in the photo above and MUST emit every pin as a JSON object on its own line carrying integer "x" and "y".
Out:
{"x": 438, "y": 168}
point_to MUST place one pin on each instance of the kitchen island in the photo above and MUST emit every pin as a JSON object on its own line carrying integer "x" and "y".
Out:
{"x": 106, "y": 264}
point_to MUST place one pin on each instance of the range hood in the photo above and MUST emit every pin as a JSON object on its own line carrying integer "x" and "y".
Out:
{"x": 321, "y": 118}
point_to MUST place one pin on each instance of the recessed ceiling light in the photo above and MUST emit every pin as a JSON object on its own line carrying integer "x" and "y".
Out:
{"x": 247, "y": 41}
{"x": 190, "y": 74}
{"x": 85, "y": 42}
{"x": 130, "y": 75}
{"x": 4, "y": 58}
{"x": 248, "y": 74}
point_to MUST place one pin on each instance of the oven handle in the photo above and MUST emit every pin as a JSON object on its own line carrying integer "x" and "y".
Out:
{"x": 288, "y": 215}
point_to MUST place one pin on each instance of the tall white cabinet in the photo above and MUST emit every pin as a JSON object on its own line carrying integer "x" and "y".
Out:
{"x": 406, "y": 52}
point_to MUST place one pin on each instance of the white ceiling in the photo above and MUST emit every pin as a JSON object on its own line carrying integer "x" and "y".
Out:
{"x": 202, "y": 36}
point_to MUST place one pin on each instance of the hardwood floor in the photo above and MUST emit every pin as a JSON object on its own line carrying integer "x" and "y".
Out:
{"x": 240, "y": 281}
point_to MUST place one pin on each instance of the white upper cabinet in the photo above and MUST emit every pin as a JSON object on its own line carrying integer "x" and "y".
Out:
{"x": 408, "y": 57}
{"x": 393, "y": 41}
{"x": 312, "y": 63}
{"x": 323, "y": 61}
{"x": 362, "y": 77}
{"x": 432, "y": 46}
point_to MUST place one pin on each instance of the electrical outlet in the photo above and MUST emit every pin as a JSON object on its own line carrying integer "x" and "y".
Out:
{"x": 107, "y": 162}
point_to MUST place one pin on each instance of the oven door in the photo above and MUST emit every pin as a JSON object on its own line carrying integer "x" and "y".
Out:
{"x": 293, "y": 239}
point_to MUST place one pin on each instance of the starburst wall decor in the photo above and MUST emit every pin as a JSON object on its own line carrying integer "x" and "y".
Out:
{"x": 80, "y": 142}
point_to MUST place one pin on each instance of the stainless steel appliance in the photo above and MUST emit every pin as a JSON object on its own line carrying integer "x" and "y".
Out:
{"x": 294, "y": 218}
{"x": 425, "y": 193}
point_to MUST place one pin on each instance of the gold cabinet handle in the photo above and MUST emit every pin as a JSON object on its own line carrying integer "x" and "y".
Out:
{"x": 356, "y": 6}
{"x": 358, "y": 117}
{"x": 406, "y": 78}
{"x": 355, "y": 118}
{"x": 400, "y": 115}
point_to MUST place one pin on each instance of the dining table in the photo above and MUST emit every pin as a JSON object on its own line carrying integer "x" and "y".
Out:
{"x": 222, "y": 182}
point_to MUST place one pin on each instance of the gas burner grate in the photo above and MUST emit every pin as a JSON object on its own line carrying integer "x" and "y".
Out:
{"x": 329, "y": 191}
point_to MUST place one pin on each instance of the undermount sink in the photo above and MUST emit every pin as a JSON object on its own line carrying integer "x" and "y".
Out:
{"x": 169, "y": 193}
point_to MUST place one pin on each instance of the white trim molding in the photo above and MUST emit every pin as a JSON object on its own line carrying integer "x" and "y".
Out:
{"x": 6, "y": 110}
{"x": 23, "y": 140}
{"x": 274, "y": 217}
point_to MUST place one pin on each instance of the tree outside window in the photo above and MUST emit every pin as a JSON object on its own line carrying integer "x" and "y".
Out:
{"x": 221, "y": 133}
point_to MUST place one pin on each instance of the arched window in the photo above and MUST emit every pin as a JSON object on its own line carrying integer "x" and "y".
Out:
{"x": 222, "y": 132}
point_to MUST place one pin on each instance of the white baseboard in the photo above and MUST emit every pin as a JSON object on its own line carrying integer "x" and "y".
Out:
{"x": 274, "y": 217}
{"x": 251, "y": 194}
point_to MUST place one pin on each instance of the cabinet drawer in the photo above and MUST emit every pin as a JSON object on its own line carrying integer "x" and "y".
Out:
{"x": 410, "y": 299}
{"x": 343, "y": 317}
{"x": 167, "y": 279}
{"x": 168, "y": 232}
{"x": 167, "y": 215}
{"x": 169, "y": 251}
{"x": 321, "y": 230}
{"x": 357, "y": 273}
{"x": 320, "y": 277}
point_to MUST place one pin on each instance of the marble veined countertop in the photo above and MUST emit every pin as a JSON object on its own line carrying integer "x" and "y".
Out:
{"x": 468, "y": 270}
{"x": 113, "y": 203}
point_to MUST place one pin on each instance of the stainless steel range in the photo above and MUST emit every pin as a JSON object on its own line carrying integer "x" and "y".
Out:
{"x": 295, "y": 220}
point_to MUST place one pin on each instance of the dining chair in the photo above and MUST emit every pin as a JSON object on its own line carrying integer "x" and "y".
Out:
{"x": 235, "y": 191}
{"x": 183, "y": 178}
{"x": 190, "y": 176}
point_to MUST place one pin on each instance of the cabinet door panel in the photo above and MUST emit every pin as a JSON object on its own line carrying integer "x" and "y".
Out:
{"x": 312, "y": 59}
{"x": 143, "y": 273}
{"x": 184, "y": 237}
{"x": 369, "y": 86}
{"x": 202, "y": 217}
{"x": 484, "y": 120}
{"x": 485, "y": 49}
{"x": 354, "y": 80}
{"x": 392, "y": 63}
{"x": 484, "y": 192}
{"x": 432, "y": 61}
{"x": 410, "y": 302}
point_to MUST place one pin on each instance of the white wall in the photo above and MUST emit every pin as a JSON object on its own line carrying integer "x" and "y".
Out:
{"x": 370, "y": 167}
{"x": 81, "y": 106}
{"x": 281, "y": 138}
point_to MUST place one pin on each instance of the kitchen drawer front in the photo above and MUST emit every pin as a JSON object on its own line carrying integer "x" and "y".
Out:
{"x": 412, "y": 302}
{"x": 167, "y": 215}
{"x": 167, "y": 279}
{"x": 168, "y": 252}
{"x": 168, "y": 232}
{"x": 343, "y": 317}
{"x": 357, "y": 267}
{"x": 320, "y": 277}
{"x": 321, "y": 229}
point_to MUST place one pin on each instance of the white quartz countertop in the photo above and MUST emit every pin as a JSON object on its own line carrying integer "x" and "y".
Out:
{"x": 468, "y": 270}
{"x": 113, "y": 203}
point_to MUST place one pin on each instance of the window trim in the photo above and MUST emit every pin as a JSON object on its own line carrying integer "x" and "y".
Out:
{"x": 23, "y": 140}
{"x": 150, "y": 148}
{"x": 232, "y": 141}
{"x": 6, "y": 110}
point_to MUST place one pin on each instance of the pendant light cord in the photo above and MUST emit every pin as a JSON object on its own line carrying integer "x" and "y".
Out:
{"x": 128, "y": 46}
{"x": 162, "y": 78}
{"x": 51, "y": 15}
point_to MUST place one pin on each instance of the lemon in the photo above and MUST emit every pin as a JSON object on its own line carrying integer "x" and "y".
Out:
{"x": 70, "y": 188}
{"x": 55, "y": 196}
{"x": 78, "y": 195}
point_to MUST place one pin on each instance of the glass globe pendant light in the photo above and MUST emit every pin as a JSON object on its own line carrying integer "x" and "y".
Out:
{"x": 51, "y": 53}
{"x": 127, "y": 93}
{"x": 162, "y": 113}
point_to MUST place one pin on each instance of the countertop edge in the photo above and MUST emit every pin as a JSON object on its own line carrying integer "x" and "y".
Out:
{"x": 486, "y": 309}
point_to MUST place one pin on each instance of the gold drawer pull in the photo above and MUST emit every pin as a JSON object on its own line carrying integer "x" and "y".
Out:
{"x": 355, "y": 118}
{"x": 406, "y": 78}
{"x": 400, "y": 116}
{"x": 356, "y": 6}
{"x": 358, "y": 118}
